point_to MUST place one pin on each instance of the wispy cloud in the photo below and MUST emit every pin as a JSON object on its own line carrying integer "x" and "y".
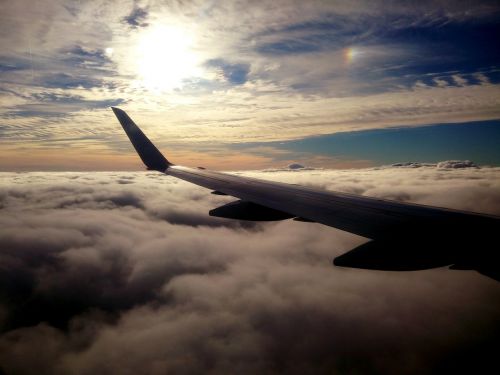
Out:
{"x": 137, "y": 17}
{"x": 235, "y": 73}
{"x": 289, "y": 69}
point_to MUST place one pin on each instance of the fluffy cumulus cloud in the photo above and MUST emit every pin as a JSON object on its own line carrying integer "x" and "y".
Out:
{"x": 126, "y": 273}
{"x": 457, "y": 164}
{"x": 446, "y": 164}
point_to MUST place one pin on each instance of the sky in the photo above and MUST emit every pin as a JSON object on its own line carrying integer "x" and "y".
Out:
{"x": 206, "y": 78}
{"x": 125, "y": 272}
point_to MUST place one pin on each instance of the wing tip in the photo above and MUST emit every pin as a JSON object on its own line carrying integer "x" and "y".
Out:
{"x": 150, "y": 155}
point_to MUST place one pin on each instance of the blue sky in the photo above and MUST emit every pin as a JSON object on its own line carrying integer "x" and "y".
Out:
{"x": 228, "y": 73}
{"x": 475, "y": 141}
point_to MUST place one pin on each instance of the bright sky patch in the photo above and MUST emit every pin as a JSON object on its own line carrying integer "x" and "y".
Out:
{"x": 164, "y": 57}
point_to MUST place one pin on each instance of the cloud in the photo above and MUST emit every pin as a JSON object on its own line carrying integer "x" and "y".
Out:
{"x": 80, "y": 55}
{"x": 440, "y": 82}
{"x": 482, "y": 78}
{"x": 92, "y": 270}
{"x": 447, "y": 164}
{"x": 459, "y": 80}
{"x": 136, "y": 18}
{"x": 411, "y": 164}
{"x": 53, "y": 105}
{"x": 236, "y": 74}
{"x": 355, "y": 66}
{"x": 288, "y": 47}
{"x": 66, "y": 80}
{"x": 293, "y": 167}
{"x": 457, "y": 164}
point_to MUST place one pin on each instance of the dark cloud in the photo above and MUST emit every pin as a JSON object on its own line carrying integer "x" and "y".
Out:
{"x": 68, "y": 81}
{"x": 45, "y": 107}
{"x": 412, "y": 164}
{"x": 293, "y": 167}
{"x": 234, "y": 73}
{"x": 327, "y": 31}
{"x": 454, "y": 164}
{"x": 447, "y": 164}
{"x": 79, "y": 55}
{"x": 80, "y": 67}
{"x": 136, "y": 18}
{"x": 98, "y": 277}
{"x": 9, "y": 64}
{"x": 288, "y": 47}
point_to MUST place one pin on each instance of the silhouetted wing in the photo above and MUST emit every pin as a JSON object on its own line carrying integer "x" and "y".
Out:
{"x": 368, "y": 217}
{"x": 442, "y": 235}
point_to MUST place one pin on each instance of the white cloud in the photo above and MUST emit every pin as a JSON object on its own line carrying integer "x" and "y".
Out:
{"x": 440, "y": 82}
{"x": 95, "y": 269}
{"x": 482, "y": 78}
{"x": 459, "y": 80}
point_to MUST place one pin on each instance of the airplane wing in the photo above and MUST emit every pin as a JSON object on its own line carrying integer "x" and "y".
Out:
{"x": 404, "y": 236}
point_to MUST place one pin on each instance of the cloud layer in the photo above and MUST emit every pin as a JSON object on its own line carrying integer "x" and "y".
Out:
{"x": 126, "y": 273}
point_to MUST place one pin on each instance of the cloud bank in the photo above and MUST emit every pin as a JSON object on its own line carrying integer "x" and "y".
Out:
{"x": 126, "y": 273}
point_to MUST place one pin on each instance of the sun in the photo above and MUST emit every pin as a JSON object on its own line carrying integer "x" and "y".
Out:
{"x": 164, "y": 57}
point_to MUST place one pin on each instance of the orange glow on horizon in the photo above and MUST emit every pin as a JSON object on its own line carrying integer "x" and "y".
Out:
{"x": 102, "y": 160}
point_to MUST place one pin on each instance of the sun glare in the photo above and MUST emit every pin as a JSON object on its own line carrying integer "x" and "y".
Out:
{"x": 164, "y": 57}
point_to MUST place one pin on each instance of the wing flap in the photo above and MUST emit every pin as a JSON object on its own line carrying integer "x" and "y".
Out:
{"x": 242, "y": 210}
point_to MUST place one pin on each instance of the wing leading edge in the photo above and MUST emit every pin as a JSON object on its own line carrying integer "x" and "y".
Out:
{"x": 404, "y": 236}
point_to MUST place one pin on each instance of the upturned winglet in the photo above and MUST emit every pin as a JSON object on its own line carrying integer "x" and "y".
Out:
{"x": 151, "y": 157}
